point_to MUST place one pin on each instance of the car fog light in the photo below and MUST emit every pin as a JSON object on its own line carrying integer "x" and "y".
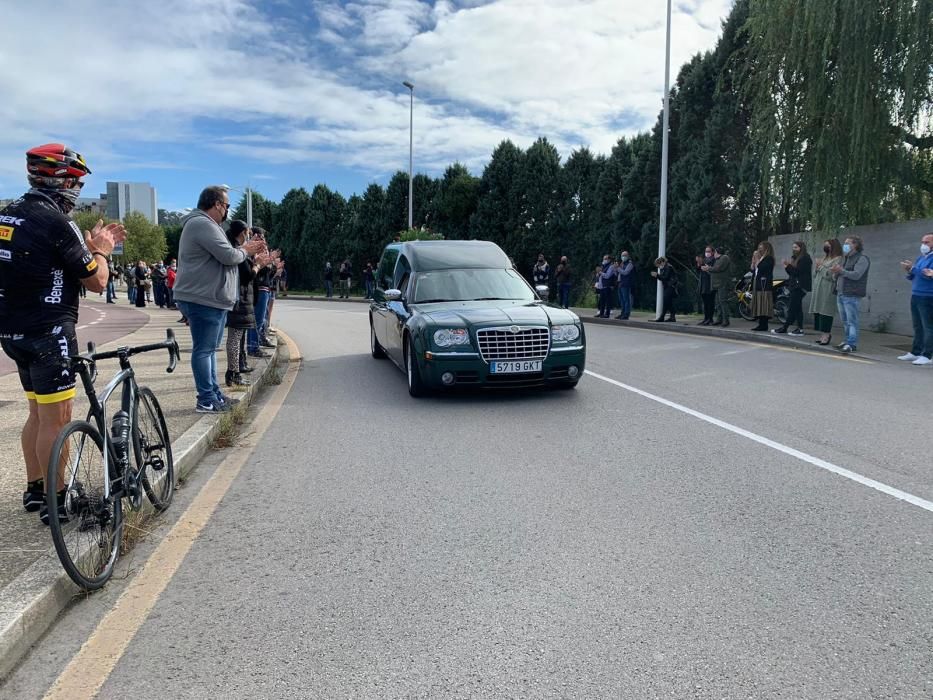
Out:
{"x": 573, "y": 371}
{"x": 447, "y": 378}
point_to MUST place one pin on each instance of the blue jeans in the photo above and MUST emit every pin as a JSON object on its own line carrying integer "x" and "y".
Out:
{"x": 921, "y": 310}
{"x": 111, "y": 291}
{"x": 625, "y": 302}
{"x": 207, "y": 333}
{"x": 563, "y": 294}
{"x": 370, "y": 288}
{"x": 131, "y": 294}
{"x": 260, "y": 309}
{"x": 848, "y": 307}
{"x": 329, "y": 288}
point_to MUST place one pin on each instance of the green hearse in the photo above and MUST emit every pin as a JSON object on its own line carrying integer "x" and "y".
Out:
{"x": 455, "y": 314}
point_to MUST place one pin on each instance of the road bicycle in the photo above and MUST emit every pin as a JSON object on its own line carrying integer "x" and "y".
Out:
{"x": 91, "y": 470}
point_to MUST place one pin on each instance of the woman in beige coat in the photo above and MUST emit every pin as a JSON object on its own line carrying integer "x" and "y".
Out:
{"x": 823, "y": 299}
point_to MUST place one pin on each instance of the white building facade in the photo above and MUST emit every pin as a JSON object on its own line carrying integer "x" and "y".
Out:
{"x": 126, "y": 197}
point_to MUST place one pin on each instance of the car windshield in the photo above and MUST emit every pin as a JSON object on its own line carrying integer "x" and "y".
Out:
{"x": 470, "y": 285}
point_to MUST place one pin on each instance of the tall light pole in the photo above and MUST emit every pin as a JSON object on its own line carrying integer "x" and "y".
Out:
{"x": 662, "y": 233}
{"x": 411, "y": 145}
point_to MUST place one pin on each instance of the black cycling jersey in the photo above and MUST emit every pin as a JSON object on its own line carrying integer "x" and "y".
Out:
{"x": 43, "y": 257}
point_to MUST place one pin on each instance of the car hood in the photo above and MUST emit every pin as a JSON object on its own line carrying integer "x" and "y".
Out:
{"x": 493, "y": 313}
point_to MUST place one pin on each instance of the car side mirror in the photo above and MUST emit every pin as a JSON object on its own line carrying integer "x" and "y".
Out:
{"x": 543, "y": 291}
{"x": 393, "y": 295}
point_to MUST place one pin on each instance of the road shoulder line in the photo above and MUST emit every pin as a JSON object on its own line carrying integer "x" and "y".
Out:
{"x": 767, "y": 442}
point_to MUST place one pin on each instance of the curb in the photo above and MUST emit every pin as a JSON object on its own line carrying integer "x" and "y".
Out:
{"x": 31, "y": 602}
{"x": 716, "y": 332}
{"x": 307, "y": 297}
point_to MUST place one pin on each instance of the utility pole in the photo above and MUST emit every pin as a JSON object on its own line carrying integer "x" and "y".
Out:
{"x": 662, "y": 233}
{"x": 411, "y": 145}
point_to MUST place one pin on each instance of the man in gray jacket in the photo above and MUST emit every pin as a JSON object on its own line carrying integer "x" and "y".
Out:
{"x": 851, "y": 287}
{"x": 719, "y": 273}
{"x": 206, "y": 288}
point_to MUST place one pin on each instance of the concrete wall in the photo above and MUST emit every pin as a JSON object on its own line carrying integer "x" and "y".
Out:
{"x": 888, "y": 300}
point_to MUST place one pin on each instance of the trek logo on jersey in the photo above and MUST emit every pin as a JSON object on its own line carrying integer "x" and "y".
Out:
{"x": 4, "y": 219}
{"x": 58, "y": 283}
{"x": 6, "y": 232}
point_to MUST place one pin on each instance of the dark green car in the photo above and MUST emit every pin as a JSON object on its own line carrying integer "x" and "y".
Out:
{"x": 455, "y": 314}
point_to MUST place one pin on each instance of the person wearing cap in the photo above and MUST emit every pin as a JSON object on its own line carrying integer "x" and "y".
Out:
{"x": 44, "y": 261}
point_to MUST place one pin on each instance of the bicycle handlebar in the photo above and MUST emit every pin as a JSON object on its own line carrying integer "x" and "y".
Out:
{"x": 170, "y": 344}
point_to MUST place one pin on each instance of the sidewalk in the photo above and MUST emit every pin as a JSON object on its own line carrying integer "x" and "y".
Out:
{"x": 29, "y": 568}
{"x": 883, "y": 347}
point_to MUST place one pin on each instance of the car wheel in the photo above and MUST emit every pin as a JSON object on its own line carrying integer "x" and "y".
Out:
{"x": 415, "y": 384}
{"x": 374, "y": 347}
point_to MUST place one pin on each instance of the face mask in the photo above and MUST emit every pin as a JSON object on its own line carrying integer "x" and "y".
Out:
{"x": 826, "y": 249}
{"x": 795, "y": 252}
{"x": 624, "y": 258}
{"x": 847, "y": 249}
{"x": 924, "y": 249}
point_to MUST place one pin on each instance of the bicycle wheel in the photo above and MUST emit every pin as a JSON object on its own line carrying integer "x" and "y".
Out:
{"x": 88, "y": 534}
{"x": 745, "y": 306}
{"x": 153, "y": 450}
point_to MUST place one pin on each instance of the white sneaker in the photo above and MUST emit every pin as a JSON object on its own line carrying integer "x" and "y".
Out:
{"x": 909, "y": 357}
{"x": 922, "y": 361}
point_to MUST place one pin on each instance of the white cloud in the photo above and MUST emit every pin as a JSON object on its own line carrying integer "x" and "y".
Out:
{"x": 484, "y": 71}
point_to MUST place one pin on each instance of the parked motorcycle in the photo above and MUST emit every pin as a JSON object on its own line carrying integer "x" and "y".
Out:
{"x": 743, "y": 295}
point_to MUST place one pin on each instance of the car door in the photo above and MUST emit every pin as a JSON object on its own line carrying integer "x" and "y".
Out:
{"x": 384, "y": 278}
{"x": 398, "y": 311}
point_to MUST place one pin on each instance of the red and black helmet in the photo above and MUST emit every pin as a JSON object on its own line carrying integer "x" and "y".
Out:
{"x": 55, "y": 160}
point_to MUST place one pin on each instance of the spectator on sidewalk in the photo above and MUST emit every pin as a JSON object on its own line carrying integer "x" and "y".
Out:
{"x": 344, "y": 276}
{"x": 206, "y": 288}
{"x": 823, "y": 297}
{"x": 141, "y": 272}
{"x": 129, "y": 276}
{"x": 799, "y": 271}
{"x": 243, "y": 315}
{"x": 719, "y": 273}
{"x": 625, "y": 280}
{"x": 369, "y": 280}
{"x": 262, "y": 289}
{"x": 277, "y": 266}
{"x": 705, "y": 286}
{"x": 609, "y": 279}
{"x": 920, "y": 273}
{"x": 598, "y": 289}
{"x": 763, "y": 285}
{"x": 111, "y": 282}
{"x": 541, "y": 273}
{"x": 170, "y": 284}
{"x": 564, "y": 278}
{"x": 46, "y": 260}
{"x": 851, "y": 287}
{"x": 329, "y": 280}
{"x": 159, "y": 289}
{"x": 669, "y": 288}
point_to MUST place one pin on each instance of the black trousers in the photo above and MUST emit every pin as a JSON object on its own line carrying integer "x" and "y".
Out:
{"x": 709, "y": 305}
{"x": 795, "y": 312}
{"x": 668, "y": 307}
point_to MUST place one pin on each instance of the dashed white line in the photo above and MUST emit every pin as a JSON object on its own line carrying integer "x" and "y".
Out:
{"x": 790, "y": 451}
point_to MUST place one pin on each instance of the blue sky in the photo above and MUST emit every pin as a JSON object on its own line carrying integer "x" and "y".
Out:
{"x": 290, "y": 93}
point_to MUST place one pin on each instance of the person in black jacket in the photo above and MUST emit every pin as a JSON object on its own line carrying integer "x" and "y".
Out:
{"x": 705, "y": 286}
{"x": 799, "y": 281}
{"x": 243, "y": 316}
{"x": 763, "y": 285}
{"x": 668, "y": 278}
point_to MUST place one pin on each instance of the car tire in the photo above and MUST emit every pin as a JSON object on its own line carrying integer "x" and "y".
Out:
{"x": 415, "y": 384}
{"x": 374, "y": 347}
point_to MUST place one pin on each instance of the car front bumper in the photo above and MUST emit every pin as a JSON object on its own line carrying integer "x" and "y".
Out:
{"x": 470, "y": 370}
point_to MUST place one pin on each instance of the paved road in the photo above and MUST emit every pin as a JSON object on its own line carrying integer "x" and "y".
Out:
{"x": 593, "y": 543}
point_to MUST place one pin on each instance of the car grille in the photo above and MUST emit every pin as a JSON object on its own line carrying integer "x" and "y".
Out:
{"x": 502, "y": 344}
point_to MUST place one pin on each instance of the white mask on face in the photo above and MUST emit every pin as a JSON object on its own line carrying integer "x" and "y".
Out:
{"x": 924, "y": 249}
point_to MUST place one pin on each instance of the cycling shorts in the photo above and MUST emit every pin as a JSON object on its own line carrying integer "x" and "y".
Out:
{"x": 44, "y": 362}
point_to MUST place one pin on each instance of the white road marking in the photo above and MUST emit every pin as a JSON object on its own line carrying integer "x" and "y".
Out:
{"x": 803, "y": 456}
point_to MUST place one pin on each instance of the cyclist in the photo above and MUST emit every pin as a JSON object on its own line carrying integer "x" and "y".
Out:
{"x": 44, "y": 261}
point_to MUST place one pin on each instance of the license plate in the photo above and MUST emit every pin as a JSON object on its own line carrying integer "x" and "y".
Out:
{"x": 515, "y": 367}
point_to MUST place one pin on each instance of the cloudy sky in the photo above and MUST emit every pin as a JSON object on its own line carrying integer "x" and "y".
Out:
{"x": 285, "y": 93}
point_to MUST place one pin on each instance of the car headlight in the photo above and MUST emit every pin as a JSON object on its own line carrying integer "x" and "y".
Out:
{"x": 564, "y": 334}
{"x": 450, "y": 337}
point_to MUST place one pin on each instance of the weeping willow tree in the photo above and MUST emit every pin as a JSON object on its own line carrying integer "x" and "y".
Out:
{"x": 841, "y": 98}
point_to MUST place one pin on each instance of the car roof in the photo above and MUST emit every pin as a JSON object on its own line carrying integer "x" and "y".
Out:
{"x": 447, "y": 255}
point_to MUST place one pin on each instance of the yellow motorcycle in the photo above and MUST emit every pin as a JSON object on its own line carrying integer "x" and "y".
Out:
{"x": 743, "y": 296}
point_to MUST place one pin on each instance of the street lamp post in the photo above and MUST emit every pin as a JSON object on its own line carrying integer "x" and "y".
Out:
{"x": 411, "y": 144}
{"x": 662, "y": 233}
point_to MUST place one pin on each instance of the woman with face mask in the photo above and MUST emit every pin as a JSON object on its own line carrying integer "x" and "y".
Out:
{"x": 143, "y": 283}
{"x": 705, "y": 286}
{"x": 823, "y": 298}
{"x": 763, "y": 286}
{"x": 799, "y": 281}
